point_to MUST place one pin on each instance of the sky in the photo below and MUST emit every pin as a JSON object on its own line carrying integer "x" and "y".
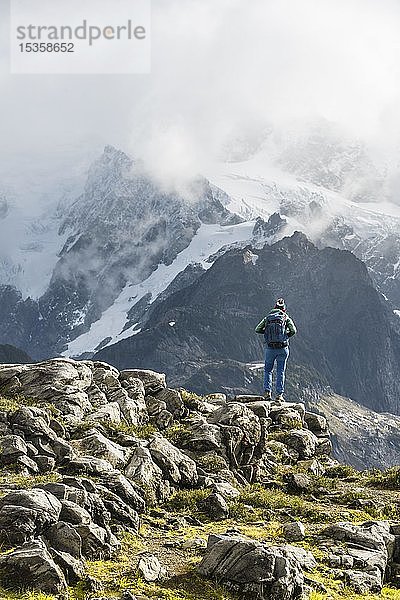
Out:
{"x": 221, "y": 70}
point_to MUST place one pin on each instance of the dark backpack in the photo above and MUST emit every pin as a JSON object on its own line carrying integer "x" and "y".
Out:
{"x": 275, "y": 329}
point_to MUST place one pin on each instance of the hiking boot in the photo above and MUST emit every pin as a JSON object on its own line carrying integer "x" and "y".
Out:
{"x": 267, "y": 395}
{"x": 279, "y": 398}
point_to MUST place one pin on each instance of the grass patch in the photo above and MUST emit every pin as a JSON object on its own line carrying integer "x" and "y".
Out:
{"x": 14, "y": 402}
{"x": 29, "y": 481}
{"x": 296, "y": 506}
{"x": 140, "y": 431}
{"x": 211, "y": 462}
{"x": 388, "y": 479}
{"x": 120, "y": 574}
{"x": 342, "y": 472}
{"x": 187, "y": 500}
{"x": 176, "y": 433}
{"x": 27, "y": 595}
{"x": 8, "y": 405}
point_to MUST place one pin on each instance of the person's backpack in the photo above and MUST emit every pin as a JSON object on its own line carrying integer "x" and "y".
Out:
{"x": 275, "y": 329}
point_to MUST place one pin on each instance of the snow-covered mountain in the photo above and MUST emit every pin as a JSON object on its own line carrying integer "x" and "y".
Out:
{"x": 258, "y": 187}
{"x": 119, "y": 230}
{"x": 87, "y": 273}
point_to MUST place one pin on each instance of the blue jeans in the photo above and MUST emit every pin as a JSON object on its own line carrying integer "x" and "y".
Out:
{"x": 280, "y": 355}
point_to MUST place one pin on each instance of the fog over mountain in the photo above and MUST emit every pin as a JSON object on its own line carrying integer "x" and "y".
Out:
{"x": 222, "y": 73}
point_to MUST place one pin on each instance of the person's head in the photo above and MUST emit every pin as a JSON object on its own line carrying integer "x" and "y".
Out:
{"x": 280, "y": 303}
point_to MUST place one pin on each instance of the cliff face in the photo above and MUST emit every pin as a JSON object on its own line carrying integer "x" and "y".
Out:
{"x": 204, "y": 333}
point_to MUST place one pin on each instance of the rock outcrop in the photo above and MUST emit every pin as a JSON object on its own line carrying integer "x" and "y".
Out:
{"x": 253, "y": 569}
{"x": 100, "y": 449}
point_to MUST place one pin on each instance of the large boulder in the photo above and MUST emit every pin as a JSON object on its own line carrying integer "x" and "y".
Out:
{"x": 31, "y": 566}
{"x": 94, "y": 542}
{"x": 253, "y": 569}
{"x": 240, "y": 429}
{"x": 364, "y": 552}
{"x": 32, "y": 423}
{"x": 153, "y": 382}
{"x": 65, "y": 538}
{"x": 11, "y": 448}
{"x": 121, "y": 486}
{"x": 144, "y": 472}
{"x": 96, "y": 444}
{"x": 215, "y": 507}
{"x": 150, "y": 568}
{"x": 73, "y": 513}
{"x": 27, "y": 513}
{"x": 173, "y": 401}
{"x": 303, "y": 441}
{"x": 176, "y": 466}
{"x": 60, "y": 381}
{"x": 201, "y": 436}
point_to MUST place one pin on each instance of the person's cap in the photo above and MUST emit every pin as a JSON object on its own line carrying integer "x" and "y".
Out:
{"x": 280, "y": 303}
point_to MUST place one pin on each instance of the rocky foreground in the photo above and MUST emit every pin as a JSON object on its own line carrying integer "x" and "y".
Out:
{"x": 115, "y": 486}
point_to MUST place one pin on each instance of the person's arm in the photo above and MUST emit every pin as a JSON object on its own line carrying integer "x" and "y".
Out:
{"x": 261, "y": 326}
{"x": 290, "y": 327}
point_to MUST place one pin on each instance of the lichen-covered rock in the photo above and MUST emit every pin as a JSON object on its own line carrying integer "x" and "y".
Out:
{"x": 173, "y": 401}
{"x": 94, "y": 541}
{"x": 316, "y": 423}
{"x": 253, "y": 569}
{"x": 145, "y": 473}
{"x": 89, "y": 465}
{"x": 364, "y": 551}
{"x": 73, "y": 513}
{"x": 294, "y": 531}
{"x": 60, "y": 381}
{"x": 199, "y": 435}
{"x": 121, "y": 486}
{"x": 108, "y": 412}
{"x": 298, "y": 483}
{"x": 240, "y": 430}
{"x": 65, "y": 538}
{"x": 11, "y": 448}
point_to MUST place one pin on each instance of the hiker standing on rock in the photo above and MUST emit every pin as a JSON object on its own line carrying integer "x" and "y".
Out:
{"x": 277, "y": 328}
